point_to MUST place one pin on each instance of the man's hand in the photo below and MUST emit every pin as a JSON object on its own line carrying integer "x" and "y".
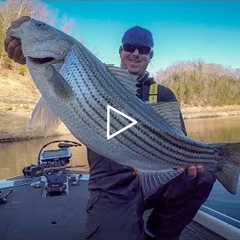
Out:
{"x": 193, "y": 170}
{"x": 13, "y": 45}
{"x": 13, "y": 48}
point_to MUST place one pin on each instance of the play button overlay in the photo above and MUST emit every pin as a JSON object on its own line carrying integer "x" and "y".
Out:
{"x": 123, "y": 115}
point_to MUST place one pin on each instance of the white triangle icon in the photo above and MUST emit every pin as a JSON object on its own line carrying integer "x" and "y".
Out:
{"x": 133, "y": 122}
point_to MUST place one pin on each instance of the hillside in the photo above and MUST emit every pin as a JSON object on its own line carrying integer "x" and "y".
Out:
{"x": 199, "y": 84}
{"x": 18, "y": 97}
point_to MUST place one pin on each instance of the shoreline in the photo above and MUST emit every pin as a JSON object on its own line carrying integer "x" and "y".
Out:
{"x": 13, "y": 126}
{"x": 193, "y": 112}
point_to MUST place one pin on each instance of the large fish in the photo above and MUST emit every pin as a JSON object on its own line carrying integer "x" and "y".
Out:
{"x": 77, "y": 87}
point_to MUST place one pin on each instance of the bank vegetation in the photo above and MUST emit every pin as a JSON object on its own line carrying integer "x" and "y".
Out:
{"x": 199, "y": 84}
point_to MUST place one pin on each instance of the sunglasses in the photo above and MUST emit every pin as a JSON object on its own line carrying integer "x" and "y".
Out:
{"x": 141, "y": 49}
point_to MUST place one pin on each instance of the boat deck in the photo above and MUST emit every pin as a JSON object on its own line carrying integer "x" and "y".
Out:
{"x": 27, "y": 216}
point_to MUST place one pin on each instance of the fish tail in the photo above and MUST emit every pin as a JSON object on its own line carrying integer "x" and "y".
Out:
{"x": 229, "y": 166}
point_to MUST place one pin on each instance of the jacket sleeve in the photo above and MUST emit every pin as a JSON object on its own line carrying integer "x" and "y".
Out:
{"x": 166, "y": 95}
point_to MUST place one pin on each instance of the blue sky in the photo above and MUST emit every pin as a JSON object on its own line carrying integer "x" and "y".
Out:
{"x": 182, "y": 30}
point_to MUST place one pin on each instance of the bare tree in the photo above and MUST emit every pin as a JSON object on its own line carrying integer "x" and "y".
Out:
{"x": 199, "y": 83}
{"x": 11, "y": 10}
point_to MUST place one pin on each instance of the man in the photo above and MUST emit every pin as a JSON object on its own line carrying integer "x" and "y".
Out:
{"x": 117, "y": 197}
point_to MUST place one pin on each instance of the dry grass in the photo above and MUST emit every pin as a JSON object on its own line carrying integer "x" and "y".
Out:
{"x": 18, "y": 97}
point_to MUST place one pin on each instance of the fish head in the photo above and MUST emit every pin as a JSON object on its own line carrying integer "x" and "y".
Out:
{"x": 45, "y": 49}
{"x": 42, "y": 43}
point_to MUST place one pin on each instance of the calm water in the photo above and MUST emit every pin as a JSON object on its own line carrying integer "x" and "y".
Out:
{"x": 14, "y": 156}
{"x": 219, "y": 130}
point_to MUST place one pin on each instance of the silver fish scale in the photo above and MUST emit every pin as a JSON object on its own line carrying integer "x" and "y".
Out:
{"x": 134, "y": 133}
{"x": 116, "y": 91}
{"x": 168, "y": 111}
{"x": 66, "y": 75}
{"x": 84, "y": 97}
{"x": 71, "y": 75}
{"x": 190, "y": 140}
{"x": 89, "y": 110}
{"x": 140, "y": 145}
{"x": 88, "y": 94}
{"x": 120, "y": 136}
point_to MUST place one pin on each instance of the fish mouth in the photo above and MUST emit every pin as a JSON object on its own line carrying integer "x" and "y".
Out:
{"x": 42, "y": 60}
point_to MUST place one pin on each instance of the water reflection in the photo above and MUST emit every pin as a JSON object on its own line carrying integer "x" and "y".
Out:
{"x": 218, "y": 130}
{"x": 15, "y": 156}
{"x": 214, "y": 129}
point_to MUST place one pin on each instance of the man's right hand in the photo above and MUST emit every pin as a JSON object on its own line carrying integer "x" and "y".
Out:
{"x": 13, "y": 48}
{"x": 13, "y": 45}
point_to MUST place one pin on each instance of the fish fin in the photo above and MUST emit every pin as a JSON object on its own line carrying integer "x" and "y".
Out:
{"x": 151, "y": 181}
{"x": 60, "y": 85}
{"x": 43, "y": 119}
{"x": 126, "y": 78}
{"x": 170, "y": 112}
{"x": 230, "y": 167}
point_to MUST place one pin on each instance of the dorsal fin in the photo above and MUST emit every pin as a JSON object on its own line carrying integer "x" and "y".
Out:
{"x": 127, "y": 79}
{"x": 169, "y": 111}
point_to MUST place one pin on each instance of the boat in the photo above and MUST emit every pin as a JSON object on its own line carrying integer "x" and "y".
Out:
{"x": 48, "y": 202}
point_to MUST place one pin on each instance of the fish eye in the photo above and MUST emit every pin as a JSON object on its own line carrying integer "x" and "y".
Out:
{"x": 40, "y": 24}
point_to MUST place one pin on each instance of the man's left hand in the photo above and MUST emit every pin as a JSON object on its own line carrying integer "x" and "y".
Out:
{"x": 193, "y": 170}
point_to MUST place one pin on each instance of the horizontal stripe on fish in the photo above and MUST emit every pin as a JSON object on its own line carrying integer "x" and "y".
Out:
{"x": 140, "y": 145}
{"x": 152, "y": 153}
{"x": 129, "y": 129}
{"x": 177, "y": 153}
{"x": 167, "y": 153}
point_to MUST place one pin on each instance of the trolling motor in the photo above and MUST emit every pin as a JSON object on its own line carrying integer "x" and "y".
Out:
{"x": 51, "y": 168}
{"x": 51, "y": 159}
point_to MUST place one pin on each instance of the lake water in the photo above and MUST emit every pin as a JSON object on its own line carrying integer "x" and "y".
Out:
{"x": 219, "y": 130}
{"x": 15, "y": 156}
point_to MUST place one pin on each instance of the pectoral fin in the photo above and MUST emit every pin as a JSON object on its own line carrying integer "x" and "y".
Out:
{"x": 60, "y": 86}
{"x": 43, "y": 119}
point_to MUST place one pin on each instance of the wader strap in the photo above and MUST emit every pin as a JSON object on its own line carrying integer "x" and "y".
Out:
{"x": 153, "y": 93}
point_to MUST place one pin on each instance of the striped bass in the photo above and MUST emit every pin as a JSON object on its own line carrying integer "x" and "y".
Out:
{"x": 78, "y": 87}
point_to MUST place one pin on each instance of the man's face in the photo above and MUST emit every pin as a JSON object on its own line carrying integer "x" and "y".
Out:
{"x": 135, "y": 58}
